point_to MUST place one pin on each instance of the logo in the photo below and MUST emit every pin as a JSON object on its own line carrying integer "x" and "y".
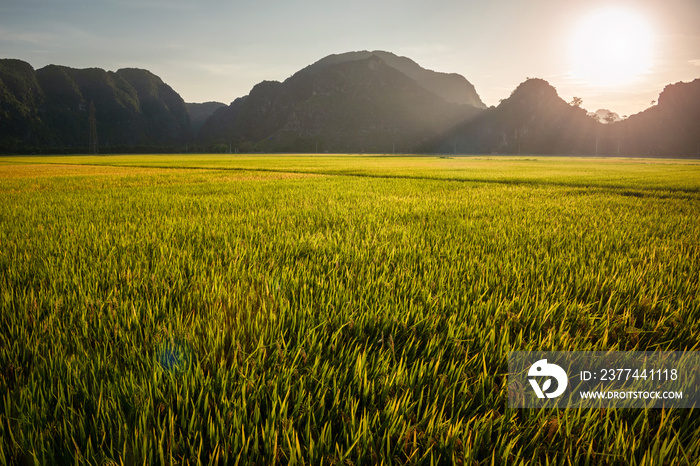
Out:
{"x": 542, "y": 369}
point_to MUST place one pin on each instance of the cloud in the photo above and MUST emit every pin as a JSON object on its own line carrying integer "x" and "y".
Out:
{"x": 27, "y": 37}
{"x": 695, "y": 62}
{"x": 422, "y": 50}
{"x": 154, "y": 4}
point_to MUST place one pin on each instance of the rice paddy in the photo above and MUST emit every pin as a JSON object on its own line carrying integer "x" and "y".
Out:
{"x": 260, "y": 309}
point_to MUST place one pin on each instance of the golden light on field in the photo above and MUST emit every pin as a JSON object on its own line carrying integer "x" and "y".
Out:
{"x": 611, "y": 47}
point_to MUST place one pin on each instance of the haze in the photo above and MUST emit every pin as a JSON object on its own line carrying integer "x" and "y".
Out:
{"x": 218, "y": 50}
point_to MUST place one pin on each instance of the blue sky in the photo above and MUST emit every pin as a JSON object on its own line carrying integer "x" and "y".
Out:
{"x": 218, "y": 50}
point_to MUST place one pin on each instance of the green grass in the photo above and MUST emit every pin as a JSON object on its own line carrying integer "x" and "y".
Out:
{"x": 334, "y": 309}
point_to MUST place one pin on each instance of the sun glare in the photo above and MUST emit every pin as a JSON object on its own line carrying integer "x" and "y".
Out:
{"x": 611, "y": 47}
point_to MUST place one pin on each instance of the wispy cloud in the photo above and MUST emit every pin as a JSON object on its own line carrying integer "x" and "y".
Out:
{"x": 222, "y": 69}
{"x": 695, "y": 62}
{"x": 155, "y": 4}
{"x": 27, "y": 37}
{"x": 422, "y": 50}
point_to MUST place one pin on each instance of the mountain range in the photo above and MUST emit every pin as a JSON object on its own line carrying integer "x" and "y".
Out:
{"x": 374, "y": 102}
{"x": 50, "y": 109}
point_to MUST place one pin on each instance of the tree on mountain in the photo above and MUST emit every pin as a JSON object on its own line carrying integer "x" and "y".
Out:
{"x": 576, "y": 102}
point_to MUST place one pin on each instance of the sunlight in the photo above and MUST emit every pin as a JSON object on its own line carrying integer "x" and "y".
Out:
{"x": 611, "y": 47}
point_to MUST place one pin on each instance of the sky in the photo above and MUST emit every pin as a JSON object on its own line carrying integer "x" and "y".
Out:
{"x": 216, "y": 50}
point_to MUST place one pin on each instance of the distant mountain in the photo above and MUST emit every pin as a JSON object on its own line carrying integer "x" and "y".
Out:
{"x": 357, "y": 102}
{"x": 605, "y": 116}
{"x": 200, "y": 112}
{"x": 49, "y": 109}
{"x": 534, "y": 119}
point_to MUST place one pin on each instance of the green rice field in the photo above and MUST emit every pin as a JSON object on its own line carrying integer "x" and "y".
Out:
{"x": 335, "y": 309}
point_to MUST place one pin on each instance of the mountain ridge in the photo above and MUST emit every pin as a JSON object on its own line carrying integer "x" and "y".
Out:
{"x": 532, "y": 119}
{"x": 535, "y": 120}
{"x": 451, "y": 87}
{"x": 352, "y": 102}
{"x": 51, "y": 111}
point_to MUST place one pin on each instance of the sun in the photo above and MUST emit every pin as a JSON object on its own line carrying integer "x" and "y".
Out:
{"x": 611, "y": 47}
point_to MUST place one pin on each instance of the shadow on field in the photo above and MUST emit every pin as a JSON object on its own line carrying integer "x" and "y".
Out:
{"x": 615, "y": 189}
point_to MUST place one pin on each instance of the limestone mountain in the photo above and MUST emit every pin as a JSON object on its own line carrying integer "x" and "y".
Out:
{"x": 534, "y": 119}
{"x": 451, "y": 87}
{"x": 49, "y": 109}
{"x": 20, "y": 98}
{"x": 200, "y": 112}
{"x": 671, "y": 128}
{"x": 354, "y": 102}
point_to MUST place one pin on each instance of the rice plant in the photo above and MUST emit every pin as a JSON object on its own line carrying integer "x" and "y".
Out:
{"x": 334, "y": 310}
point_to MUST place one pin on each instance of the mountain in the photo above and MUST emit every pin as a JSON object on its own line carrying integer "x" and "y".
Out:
{"x": 352, "y": 102}
{"x": 451, "y": 87}
{"x": 671, "y": 128}
{"x": 357, "y": 102}
{"x": 20, "y": 97}
{"x": 49, "y": 109}
{"x": 199, "y": 112}
{"x": 534, "y": 119}
{"x": 605, "y": 116}
{"x": 164, "y": 117}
